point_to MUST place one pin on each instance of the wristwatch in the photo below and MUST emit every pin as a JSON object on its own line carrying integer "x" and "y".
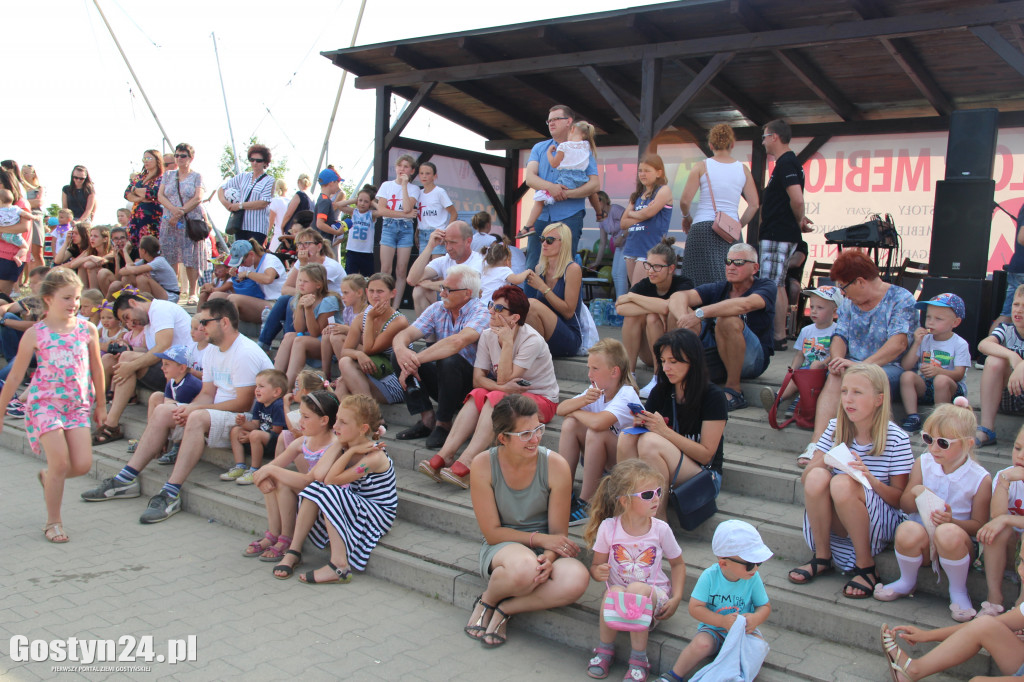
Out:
{"x": 699, "y": 313}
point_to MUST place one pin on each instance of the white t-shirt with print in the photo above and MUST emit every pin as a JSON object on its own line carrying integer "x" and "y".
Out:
{"x": 949, "y": 354}
{"x": 815, "y": 343}
{"x": 618, "y": 406}
{"x": 272, "y": 291}
{"x": 236, "y": 368}
{"x": 433, "y": 209}
{"x": 391, "y": 193}
{"x": 167, "y": 315}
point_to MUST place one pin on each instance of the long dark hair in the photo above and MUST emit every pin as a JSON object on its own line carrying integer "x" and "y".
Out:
{"x": 87, "y": 185}
{"x": 685, "y": 347}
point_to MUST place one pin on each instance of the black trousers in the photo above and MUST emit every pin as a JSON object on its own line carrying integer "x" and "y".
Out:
{"x": 448, "y": 381}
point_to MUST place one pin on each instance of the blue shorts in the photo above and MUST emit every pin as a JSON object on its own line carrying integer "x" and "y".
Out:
{"x": 397, "y": 233}
{"x": 1013, "y": 280}
{"x": 929, "y": 391}
{"x": 425, "y": 239}
{"x": 9, "y": 272}
{"x": 754, "y": 359}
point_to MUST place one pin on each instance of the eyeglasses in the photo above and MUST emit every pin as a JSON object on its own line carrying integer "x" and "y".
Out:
{"x": 550, "y": 240}
{"x": 749, "y": 565}
{"x": 203, "y": 323}
{"x": 447, "y": 290}
{"x": 944, "y": 443}
{"x": 557, "y": 118}
{"x": 843, "y": 287}
{"x": 527, "y": 436}
{"x": 766, "y": 136}
{"x": 647, "y": 494}
{"x": 255, "y": 159}
{"x": 652, "y": 267}
{"x": 738, "y": 262}
{"x": 181, "y": 156}
{"x": 304, "y": 243}
{"x": 76, "y": 177}
{"x": 496, "y": 307}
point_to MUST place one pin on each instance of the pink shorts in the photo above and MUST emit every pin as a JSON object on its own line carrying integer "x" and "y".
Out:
{"x": 52, "y": 414}
{"x": 545, "y": 407}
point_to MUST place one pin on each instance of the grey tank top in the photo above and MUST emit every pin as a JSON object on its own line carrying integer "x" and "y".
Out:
{"x": 526, "y": 509}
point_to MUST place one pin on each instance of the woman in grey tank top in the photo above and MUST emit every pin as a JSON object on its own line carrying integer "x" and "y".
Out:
{"x": 521, "y": 492}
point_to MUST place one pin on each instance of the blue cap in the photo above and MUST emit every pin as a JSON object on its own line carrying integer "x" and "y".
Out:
{"x": 178, "y": 354}
{"x": 239, "y": 250}
{"x": 951, "y": 301}
{"x": 327, "y": 176}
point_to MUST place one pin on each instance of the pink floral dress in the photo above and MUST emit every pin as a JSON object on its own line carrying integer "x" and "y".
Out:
{"x": 61, "y": 394}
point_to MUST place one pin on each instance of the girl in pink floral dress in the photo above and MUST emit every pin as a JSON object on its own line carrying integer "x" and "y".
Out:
{"x": 67, "y": 351}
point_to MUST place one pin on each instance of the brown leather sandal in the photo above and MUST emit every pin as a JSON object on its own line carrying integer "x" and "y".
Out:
{"x": 107, "y": 434}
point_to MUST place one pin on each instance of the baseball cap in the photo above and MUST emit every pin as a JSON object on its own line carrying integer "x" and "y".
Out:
{"x": 829, "y": 293}
{"x": 239, "y": 250}
{"x": 327, "y": 176}
{"x": 951, "y": 301}
{"x": 739, "y": 539}
{"x": 178, "y": 354}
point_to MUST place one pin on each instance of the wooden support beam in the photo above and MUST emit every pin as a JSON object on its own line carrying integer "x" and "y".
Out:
{"x": 612, "y": 97}
{"x": 814, "y": 145}
{"x": 511, "y": 195}
{"x": 758, "y": 169}
{"x": 453, "y": 152}
{"x": 717, "y": 63}
{"x": 725, "y": 88}
{"x": 785, "y": 38}
{"x": 409, "y": 112}
{"x": 650, "y": 80}
{"x": 1001, "y": 46}
{"x": 492, "y": 196}
{"x": 381, "y": 124}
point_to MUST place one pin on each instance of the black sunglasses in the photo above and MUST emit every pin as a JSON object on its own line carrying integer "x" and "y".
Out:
{"x": 944, "y": 443}
{"x": 496, "y": 307}
{"x": 549, "y": 240}
{"x": 78, "y": 178}
{"x": 738, "y": 262}
{"x": 203, "y": 323}
{"x": 181, "y": 156}
{"x": 749, "y": 565}
{"x": 253, "y": 159}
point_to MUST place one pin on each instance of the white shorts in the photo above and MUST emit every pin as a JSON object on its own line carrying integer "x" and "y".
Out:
{"x": 221, "y": 423}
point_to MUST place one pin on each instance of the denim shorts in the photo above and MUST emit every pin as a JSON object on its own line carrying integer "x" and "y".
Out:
{"x": 754, "y": 358}
{"x": 397, "y": 233}
{"x": 1013, "y": 280}
{"x": 929, "y": 391}
{"x": 425, "y": 239}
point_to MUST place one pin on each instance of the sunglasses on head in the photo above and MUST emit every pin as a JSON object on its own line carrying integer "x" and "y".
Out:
{"x": 944, "y": 443}
{"x": 738, "y": 262}
{"x": 749, "y": 565}
{"x": 549, "y": 240}
{"x": 647, "y": 494}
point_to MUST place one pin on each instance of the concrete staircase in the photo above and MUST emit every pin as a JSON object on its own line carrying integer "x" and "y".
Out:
{"x": 814, "y": 632}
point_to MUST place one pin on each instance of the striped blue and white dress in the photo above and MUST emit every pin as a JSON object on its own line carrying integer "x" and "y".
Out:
{"x": 362, "y": 512}
{"x": 895, "y": 461}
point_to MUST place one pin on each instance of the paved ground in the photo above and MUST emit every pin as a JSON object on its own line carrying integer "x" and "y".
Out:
{"x": 186, "y": 576}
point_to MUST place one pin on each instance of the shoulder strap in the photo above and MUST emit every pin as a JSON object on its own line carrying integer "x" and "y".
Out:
{"x": 711, "y": 191}
{"x": 774, "y": 412}
{"x": 255, "y": 182}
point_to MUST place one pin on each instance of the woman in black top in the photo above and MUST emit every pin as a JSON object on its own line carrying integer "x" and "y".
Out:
{"x": 79, "y": 195}
{"x": 685, "y": 415}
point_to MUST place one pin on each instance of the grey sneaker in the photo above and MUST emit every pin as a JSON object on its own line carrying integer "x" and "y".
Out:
{"x": 111, "y": 489}
{"x": 161, "y": 508}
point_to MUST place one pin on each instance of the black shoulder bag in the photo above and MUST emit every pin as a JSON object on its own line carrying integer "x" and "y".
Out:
{"x": 237, "y": 217}
{"x": 196, "y": 229}
{"x": 694, "y": 499}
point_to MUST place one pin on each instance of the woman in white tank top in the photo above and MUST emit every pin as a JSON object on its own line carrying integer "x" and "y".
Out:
{"x": 704, "y": 256}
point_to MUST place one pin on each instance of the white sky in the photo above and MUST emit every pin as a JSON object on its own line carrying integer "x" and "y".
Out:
{"x": 77, "y": 103}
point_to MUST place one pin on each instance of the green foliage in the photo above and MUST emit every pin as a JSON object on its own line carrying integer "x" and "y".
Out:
{"x": 278, "y": 167}
{"x": 52, "y": 210}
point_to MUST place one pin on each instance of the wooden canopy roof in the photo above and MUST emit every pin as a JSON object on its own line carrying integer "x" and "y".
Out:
{"x": 671, "y": 71}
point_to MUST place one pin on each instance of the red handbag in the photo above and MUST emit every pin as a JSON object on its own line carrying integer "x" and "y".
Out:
{"x": 725, "y": 226}
{"x": 809, "y": 384}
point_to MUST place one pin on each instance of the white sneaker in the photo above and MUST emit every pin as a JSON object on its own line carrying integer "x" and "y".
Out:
{"x": 645, "y": 392}
{"x": 805, "y": 457}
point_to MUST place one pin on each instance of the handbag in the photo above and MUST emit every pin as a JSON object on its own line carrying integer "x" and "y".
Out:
{"x": 809, "y": 384}
{"x": 626, "y": 611}
{"x": 694, "y": 499}
{"x": 236, "y": 218}
{"x": 725, "y": 226}
{"x": 196, "y": 229}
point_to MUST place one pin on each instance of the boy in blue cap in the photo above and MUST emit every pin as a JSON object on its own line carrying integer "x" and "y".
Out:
{"x": 936, "y": 361}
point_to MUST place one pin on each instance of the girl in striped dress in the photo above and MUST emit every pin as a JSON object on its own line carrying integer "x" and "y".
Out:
{"x": 847, "y": 524}
{"x": 355, "y": 505}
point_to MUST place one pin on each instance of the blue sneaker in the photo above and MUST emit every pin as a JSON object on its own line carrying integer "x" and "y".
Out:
{"x": 579, "y": 512}
{"x": 16, "y": 409}
{"x": 912, "y": 423}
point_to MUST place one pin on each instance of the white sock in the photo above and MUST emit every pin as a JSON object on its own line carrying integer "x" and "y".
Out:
{"x": 909, "y": 566}
{"x": 956, "y": 572}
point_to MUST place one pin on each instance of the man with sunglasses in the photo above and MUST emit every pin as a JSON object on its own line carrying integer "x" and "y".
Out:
{"x": 443, "y": 370}
{"x": 230, "y": 366}
{"x": 568, "y": 207}
{"x": 426, "y": 275}
{"x": 782, "y": 218}
{"x": 734, "y": 320}
{"x": 254, "y": 189}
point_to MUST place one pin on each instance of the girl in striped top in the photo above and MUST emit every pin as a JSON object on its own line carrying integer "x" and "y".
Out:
{"x": 355, "y": 505}
{"x": 865, "y": 517}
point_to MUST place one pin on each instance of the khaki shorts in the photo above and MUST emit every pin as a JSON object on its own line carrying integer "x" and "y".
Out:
{"x": 221, "y": 423}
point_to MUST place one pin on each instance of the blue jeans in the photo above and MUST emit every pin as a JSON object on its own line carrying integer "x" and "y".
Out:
{"x": 619, "y": 272}
{"x": 1013, "y": 280}
{"x": 10, "y": 338}
{"x": 280, "y": 318}
{"x": 575, "y": 224}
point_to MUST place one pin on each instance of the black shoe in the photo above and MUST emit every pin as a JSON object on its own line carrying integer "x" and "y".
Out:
{"x": 419, "y": 430}
{"x": 780, "y": 344}
{"x": 437, "y": 438}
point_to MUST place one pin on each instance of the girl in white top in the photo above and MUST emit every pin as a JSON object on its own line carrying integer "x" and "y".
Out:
{"x": 275, "y": 212}
{"x": 570, "y": 159}
{"x": 947, "y": 469}
{"x": 999, "y": 536}
{"x": 359, "y": 248}
{"x": 496, "y": 272}
{"x": 594, "y": 418}
{"x": 436, "y": 208}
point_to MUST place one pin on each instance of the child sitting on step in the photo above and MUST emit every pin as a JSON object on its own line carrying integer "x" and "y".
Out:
{"x": 1000, "y": 537}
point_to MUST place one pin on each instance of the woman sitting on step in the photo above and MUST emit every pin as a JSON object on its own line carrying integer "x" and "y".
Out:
{"x": 521, "y": 496}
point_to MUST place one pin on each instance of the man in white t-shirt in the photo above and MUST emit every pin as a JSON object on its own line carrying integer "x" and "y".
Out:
{"x": 165, "y": 324}
{"x": 427, "y": 275}
{"x": 229, "y": 379}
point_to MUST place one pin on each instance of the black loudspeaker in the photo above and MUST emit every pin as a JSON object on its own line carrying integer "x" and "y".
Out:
{"x": 971, "y": 150}
{"x": 977, "y": 296}
{"x": 961, "y": 224}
